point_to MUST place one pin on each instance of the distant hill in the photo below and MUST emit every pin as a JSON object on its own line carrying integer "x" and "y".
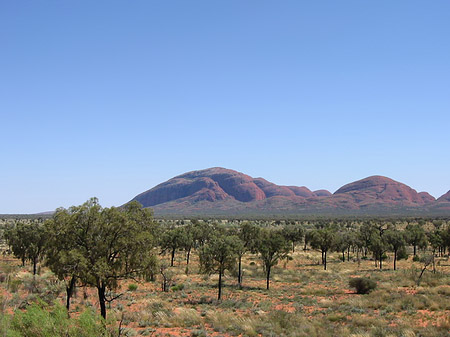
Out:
{"x": 220, "y": 191}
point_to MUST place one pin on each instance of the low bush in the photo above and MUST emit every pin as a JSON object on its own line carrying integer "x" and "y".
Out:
{"x": 132, "y": 287}
{"x": 362, "y": 285}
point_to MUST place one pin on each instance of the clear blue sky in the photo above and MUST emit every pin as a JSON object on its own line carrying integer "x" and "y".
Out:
{"x": 110, "y": 98}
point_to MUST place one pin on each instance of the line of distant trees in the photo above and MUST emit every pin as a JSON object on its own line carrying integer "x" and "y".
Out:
{"x": 89, "y": 245}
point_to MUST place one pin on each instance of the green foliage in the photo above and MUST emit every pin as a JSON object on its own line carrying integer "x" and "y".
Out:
{"x": 101, "y": 246}
{"x": 219, "y": 254}
{"x": 293, "y": 234}
{"x": 272, "y": 247}
{"x": 132, "y": 287}
{"x": 27, "y": 241}
{"x": 415, "y": 236}
{"x": 42, "y": 321}
{"x": 362, "y": 285}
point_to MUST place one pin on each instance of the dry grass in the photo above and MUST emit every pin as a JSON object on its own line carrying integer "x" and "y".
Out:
{"x": 304, "y": 300}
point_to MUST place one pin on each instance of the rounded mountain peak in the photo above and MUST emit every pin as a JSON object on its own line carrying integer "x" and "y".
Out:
{"x": 377, "y": 189}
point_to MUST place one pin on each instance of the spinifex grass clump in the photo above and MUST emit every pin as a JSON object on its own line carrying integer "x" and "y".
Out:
{"x": 363, "y": 285}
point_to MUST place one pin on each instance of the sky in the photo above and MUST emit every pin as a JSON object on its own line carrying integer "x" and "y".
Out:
{"x": 110, "y": 98}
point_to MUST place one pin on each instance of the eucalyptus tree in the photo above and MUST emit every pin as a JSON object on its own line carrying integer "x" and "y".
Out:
{"x": 416, "y": 236}
{"x": 187, "y": 242}
{"x": 364, "y": 236}
{"x": 323, "y": 239}
{"x": 343, "y": 241}
{"x": 171, "y": 240}
{"x": 109, "y": 244}
{"x": 62, "y": 252}
{"x": 248, "y": 233}
{"x": 293, "y": 233}
{"x": 378, "y": 245}
{"x": 396, "y": 240}
{"x": 27, "y": 242}
{"x": 272, "y": 247}
{"x": 219, "y": 254}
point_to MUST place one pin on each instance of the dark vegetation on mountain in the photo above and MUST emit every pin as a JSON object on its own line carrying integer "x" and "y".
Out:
{"x": 220, "y": 191}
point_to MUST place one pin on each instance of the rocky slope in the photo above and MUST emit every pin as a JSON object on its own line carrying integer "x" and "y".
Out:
{"x": 222, "y": 191}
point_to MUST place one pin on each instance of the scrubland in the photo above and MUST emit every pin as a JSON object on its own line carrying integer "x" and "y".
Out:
{"x": 303, "y": 300}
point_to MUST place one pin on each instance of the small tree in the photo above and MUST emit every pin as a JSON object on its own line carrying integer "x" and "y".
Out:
{"x": 187, "y": 243}
{"x": 171, "y": 240}
{"x": 396, "y": 241}
{"x": 219, "y": 255}
{"x": 416, "y": 236}
{"x": 62, "y": 256}
{"x": 323, "y": 239}
{"x": 248, "y": 234}
{"x": 272, "y": 247}
{"x": 293, "y": 234}
{"x": 111, "y": 244}
{"x": 27, "y": 241}
{"x": 378, "y": 246}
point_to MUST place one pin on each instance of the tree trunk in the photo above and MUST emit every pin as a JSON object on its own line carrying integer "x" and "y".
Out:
{"x": 34, "y": 265}
{"x": 268, "y": 277}
{"x": 172, "y": 257}
{"x": 69, "y": 293}
{"x": 240, "y": 272}
{"x": 395, "y": 259}
{"x": 343, "y": 256}
{"x": 293, "y": 246}
{"x": 381, "y": 259}
{"x": 102, "y": 299}
{"x": 415, "y": 249}
{"x": 325, "y": 260}
{"x": 348, "y": 253}
{"x": 188, "y": 256}
{"x": 220, "y": 285}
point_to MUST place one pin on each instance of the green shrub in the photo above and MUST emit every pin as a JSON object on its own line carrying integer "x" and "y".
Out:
{"x": 362, "y": 285}
{"x": 132, "y": 287}
{"x": 178, "y": 287}
{"x": 39, "y": 320}
{"x": 416, "y": 258}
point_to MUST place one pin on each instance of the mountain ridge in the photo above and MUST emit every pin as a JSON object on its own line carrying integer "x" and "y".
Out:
{"x": 231, "y": 192}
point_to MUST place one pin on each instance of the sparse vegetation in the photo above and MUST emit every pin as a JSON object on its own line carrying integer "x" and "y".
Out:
{"x": 362, "y": 285}
{"x": 304, "y": 299}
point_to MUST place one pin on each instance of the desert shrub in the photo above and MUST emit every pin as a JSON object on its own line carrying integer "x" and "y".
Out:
{"x": 41, "y": 321}
{"x": 132, "y": 287}
{"x": 402, "y": 254}
{"x": 362, "y": 285}
{"x": 416, "y": 258}
{"x": 178, "y": 287}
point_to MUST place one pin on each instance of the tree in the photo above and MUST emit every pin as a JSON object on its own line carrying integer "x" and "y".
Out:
{"x": 307, "y": 239}
{"x": 342, "y": 243}
{"x": 248, "y": 234}
{"x": 365, "y": 234}
{"x": 62, "y": 256}
{"x": 272, "y": 247}
{"x": 378, "y": 245}
{"x": 415, "y": 236}
{"x": 323, "y": 239}
{"x": 218, "y": 255}
{"x": 293, "y": 233}
{"x": 110, "y": 244}
{"x": 396, "y": 240}
{"x": 171, "y": 240}
{"x": 187, "y": 243}
{"x": 27, "y": 241}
